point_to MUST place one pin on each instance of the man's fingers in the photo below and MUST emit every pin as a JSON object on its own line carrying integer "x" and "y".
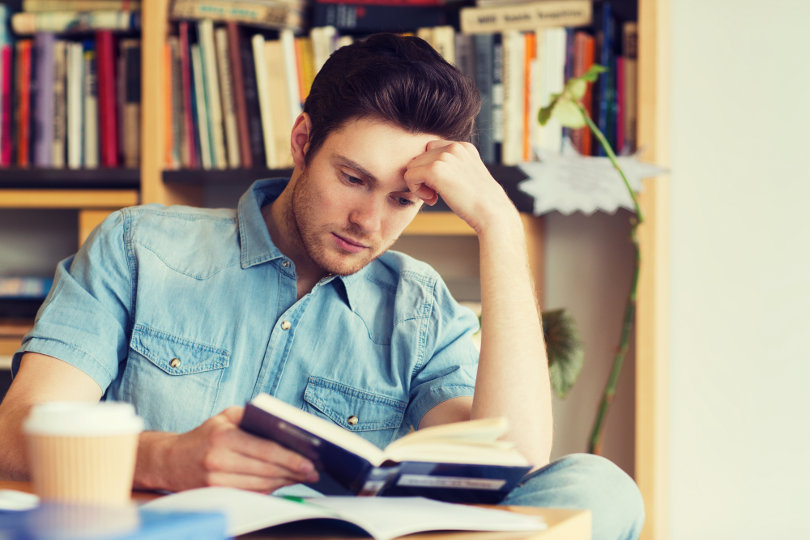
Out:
{"x": 427, "y": 194}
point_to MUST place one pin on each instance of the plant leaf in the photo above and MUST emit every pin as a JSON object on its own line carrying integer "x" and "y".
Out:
{"x": 568, "y": 114}
{"x": 565, "y": 351}
{"x": 593, "y": 72}
{"x": 578, "y": 87}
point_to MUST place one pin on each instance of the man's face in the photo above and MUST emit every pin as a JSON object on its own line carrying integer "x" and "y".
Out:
{"x": 351, "y": 203}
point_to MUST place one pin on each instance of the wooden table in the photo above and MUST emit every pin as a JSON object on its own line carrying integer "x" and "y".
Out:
{"x": 563, "y": 524}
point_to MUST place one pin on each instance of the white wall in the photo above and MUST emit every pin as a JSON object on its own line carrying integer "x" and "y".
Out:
{"x": 740, "y": 353}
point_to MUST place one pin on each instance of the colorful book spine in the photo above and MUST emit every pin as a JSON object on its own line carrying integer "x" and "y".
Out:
{"x": 91, "y": 120}
{"x": 205, "y": 33}
{"x": 201, "y": 108}
{"x": 6, "y": 54}
{"x": 254, "y": 113}
{"x": 75, "y": 21}
{"x": 275, "y": 15}
{"x": 75, "y": 115}
{"x": 527, "y": 16}
{"x": 108, "y": 113}
{"x": 190, "y": 152}
{"x": 263, "y": 86}
{"x": 43, "y": 116}
{"x": 59, "y": 144}
{"x": 238, "y": 85}
{"x": 227, "y": 98}
{"x": 353, "y": 17}
{"x": 131, "y": 107}
{"x": 24, "y": 61}
{"x": 485, "y": 135}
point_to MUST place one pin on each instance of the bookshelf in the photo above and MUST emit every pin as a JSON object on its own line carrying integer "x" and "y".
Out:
{"x": 95, "y": 193}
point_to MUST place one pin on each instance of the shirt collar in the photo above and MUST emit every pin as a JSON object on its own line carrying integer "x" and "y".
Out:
{"x": 256, "y": 246}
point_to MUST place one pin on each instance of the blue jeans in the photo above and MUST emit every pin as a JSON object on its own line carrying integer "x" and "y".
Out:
{"x": 590, "y": 482}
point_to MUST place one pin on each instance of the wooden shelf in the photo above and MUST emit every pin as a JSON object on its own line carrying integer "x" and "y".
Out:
{"x": 51, "y": 199}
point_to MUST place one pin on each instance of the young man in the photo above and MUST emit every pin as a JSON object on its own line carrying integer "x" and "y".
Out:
{"x": 188, "y": 312}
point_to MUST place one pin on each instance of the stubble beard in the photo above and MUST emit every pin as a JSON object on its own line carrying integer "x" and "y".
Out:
{"x": 303, "y": 213}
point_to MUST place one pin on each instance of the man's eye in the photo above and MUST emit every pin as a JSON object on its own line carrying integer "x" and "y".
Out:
{"x": 403, "y": 201}
{"x": 352, "y": 179}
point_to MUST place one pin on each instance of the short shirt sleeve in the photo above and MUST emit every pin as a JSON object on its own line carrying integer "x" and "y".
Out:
{"x": 451, "y": 358}
{"x": 84, "y": 321}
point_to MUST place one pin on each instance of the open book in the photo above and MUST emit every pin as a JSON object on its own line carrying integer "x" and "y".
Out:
{"x": 460, "y": 462}
{"x": 383, "y": 519}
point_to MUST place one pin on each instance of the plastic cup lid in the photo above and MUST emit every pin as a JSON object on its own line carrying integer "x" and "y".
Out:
{"x": 83, "y": 419}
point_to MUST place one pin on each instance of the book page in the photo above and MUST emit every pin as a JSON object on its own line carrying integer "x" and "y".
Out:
{"x": 390, "y": 517}
{"x": 245, "y": 511}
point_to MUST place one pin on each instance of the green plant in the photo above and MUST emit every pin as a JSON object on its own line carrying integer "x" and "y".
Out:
{"x": 567, "y": 108}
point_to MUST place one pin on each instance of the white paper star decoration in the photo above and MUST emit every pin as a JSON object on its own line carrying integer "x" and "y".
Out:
{"x": 570, "y": 182}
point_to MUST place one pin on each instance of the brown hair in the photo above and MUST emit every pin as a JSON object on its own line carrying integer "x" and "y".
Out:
{"x": 398, "y": 79}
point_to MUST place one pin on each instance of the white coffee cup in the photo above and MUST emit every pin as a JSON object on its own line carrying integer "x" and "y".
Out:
{"x": 83, "y": 452}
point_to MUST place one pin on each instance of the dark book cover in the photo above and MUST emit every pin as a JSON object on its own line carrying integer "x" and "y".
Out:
{"x": 188, "y": 91}
{"x": 238, "y": 86}
{"x": 484, "y": 129}
{"x": 355, "y": 17}
{"x": 252, "y": 110}
{"x": 343, "y": 472}
{"x": 605, "y": 87}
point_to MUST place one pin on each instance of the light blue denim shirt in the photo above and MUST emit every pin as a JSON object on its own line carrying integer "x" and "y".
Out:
{"x": 185, "y": 311}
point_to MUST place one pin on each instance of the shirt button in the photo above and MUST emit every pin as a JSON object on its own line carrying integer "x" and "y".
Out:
{"x": 175, "y": 362}
{"x": 285, "y": 325}
{"x": 285, "y": 264}
{"x": 352, "y": 420}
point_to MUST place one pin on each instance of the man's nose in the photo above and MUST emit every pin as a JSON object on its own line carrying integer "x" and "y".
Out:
{"x": 368, "y": 215}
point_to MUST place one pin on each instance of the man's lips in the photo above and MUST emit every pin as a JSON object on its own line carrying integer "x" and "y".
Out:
{"x": 348, "y": 245}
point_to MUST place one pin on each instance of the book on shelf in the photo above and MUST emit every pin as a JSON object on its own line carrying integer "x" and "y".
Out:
{"x": 264, "y": 13}
{"x": 205, "y": 33}
{"x": 74, "y": 83}
{"x": 227, "y": 95}
{"x": 252, "y": 108}
{"x": 176, "y": 143}
{"x": 42, "y": 137}
{"x": 359, "y": 17}
{"x": 460, "y": 462}
{"x": 279, "y": 103}
{"x": 189, "y": 154}
{"x": 484, "y": 58}
{"x": 583, "y": 59}
{"x": 23, "y": 106}
{"x": 525, "y": 16}
{"x": 59, "y": 142}
{"x": 80, "y": 5}
{"x": 201, "y": 107}
{"x": 75, "y": 21}
{"x": 629, "y": 99}
{"x": 605, "y": 87}
{"x": 6, "y": 56}
{"x": 379, "y": 518}
{"x": 90, "y": 128}
{"x": 129, "y": 77}
{"x": 263, "y": 90}
{"x": 107, "y": 99}
{"x": 238, "y": 83}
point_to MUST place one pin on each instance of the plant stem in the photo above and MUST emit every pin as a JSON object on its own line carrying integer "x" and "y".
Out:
{"x": 595, "y": 441}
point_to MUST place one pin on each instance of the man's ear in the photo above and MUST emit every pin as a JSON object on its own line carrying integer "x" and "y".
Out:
{"x": 299, "y": 139}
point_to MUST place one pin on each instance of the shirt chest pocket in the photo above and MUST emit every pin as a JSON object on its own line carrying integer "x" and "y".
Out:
{"x": 374, "y": 417}
{"x": 173, "y": 382}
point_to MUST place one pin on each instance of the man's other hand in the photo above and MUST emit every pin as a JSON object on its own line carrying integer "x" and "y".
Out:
{"x": 218, "y": 453}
